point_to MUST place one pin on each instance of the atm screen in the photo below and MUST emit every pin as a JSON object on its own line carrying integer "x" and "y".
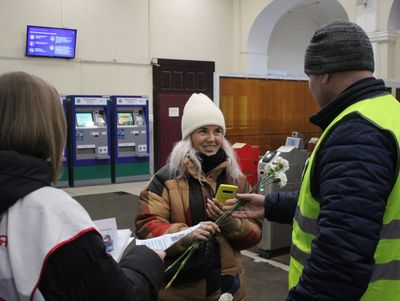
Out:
{"x": 292, "y": 141}
{"x": 84, "y": 119}
{"x": 125, "y": 118}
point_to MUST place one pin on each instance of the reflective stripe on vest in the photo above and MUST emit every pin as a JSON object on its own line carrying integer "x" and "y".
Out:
{"x": 307, "y": 225}
{"x": 388, "y": 271}
{"x": 384, "y": 112}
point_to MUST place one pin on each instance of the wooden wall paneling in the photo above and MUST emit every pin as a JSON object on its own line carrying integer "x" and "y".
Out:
{"x": 264, "y": 112}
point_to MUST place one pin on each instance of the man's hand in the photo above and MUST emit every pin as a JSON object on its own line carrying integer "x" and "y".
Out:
{"x": 253, "y": 206}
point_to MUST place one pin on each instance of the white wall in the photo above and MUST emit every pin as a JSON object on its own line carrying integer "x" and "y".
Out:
{"x": 279, "y": 33}
{"x": 389, "y": 20}
{"x": 116, "y": 40}
{"x": 393, "y": 24}
{"x": 193, "y": 29}
{"x": 112, "y": 44}
{"x": 288, "y": 42}
{"x": 397, "y": 58}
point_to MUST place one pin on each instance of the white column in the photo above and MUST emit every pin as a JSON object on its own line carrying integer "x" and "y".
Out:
{"x": 384, "y": 43}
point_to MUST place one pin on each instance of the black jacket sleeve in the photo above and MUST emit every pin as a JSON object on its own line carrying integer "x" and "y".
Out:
{"x": 353, "y": 175}
{"x": 82, "y": 270}
{"x": 281, "y": 206}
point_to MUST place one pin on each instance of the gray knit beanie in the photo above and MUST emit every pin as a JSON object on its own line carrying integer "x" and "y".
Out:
{"x": 200, "y": 111}
{"x": 339, "y": 46}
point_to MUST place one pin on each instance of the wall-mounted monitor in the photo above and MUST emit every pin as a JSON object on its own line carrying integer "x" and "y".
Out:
{"x": 125, "y": 118}
{"x": 50, "y": 42}
{"x": 84, "y": 119}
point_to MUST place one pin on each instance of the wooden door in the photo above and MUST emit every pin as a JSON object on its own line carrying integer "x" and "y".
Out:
{"x": 174, "y": 81}
{"x": 170, "y": 109}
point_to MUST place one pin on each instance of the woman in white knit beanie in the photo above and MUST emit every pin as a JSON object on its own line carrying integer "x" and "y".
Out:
{"x": 181, "y": 195}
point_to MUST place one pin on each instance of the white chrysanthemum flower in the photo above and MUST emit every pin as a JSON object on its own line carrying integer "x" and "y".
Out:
{"x": 226, "y": 297}
{"x": 282, "y": 163}
{"x": 282, "y": 178}
{"x": 269, "y": 167}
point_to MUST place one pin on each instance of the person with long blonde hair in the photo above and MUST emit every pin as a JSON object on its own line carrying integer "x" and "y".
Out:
{"x": 181, "y": 194}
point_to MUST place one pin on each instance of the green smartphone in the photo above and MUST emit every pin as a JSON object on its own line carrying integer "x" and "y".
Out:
{"x": 226, "y": 192}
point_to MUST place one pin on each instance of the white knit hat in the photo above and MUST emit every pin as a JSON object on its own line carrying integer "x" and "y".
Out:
{"x": 200, "y": 111}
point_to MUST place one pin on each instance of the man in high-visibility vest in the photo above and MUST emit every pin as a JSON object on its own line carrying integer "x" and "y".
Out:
{"x": 346, "y": 216}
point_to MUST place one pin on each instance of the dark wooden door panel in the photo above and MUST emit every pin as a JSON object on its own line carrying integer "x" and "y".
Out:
{"x": 173, "y": 83}
{"x": 170, "y": 108}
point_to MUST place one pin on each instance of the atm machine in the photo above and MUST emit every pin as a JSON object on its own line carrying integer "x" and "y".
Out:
{"x": 276, "y": 237}
{"x": 90, "y": 139}
{"x": 63, "y": 178}
{"x": 130, "y": 138}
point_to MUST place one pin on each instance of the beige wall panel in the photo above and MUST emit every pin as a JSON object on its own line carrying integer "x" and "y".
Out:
{"x": 193, "y": 30}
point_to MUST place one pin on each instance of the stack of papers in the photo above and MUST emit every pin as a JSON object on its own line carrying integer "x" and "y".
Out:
{"x": 165, "y": 241}
{"x": 115, "y": 240}
{"x": 124, "y": 239}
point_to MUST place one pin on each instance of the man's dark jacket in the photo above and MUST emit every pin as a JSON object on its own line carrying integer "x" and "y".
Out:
{"x": 354, "y": 173}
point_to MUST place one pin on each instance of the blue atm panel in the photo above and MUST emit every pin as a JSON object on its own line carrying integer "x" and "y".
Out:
{"x": 130, "y": 157}
{"x": 90, "y": 140}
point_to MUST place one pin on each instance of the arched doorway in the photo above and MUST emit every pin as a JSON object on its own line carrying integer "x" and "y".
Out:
{"x": 281, "y": 32}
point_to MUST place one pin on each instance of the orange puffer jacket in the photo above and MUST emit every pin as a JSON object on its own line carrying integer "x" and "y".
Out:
{"x": 164, "y": 207}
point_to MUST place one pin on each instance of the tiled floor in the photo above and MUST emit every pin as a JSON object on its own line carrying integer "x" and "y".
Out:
{"x": 132, "y": 187}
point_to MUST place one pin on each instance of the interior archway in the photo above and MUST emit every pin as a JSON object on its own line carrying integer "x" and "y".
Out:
{"x": 394, "y": 17}
{"x": 281, "y": 32}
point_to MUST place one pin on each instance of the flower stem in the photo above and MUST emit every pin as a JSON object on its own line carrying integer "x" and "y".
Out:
{"x": 228, "y": 212}
{"x": 193, "y": 247}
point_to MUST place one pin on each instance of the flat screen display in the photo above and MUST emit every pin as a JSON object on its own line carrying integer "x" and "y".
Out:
{"x": 50, "y": 42}
{"x": 292, "y": 141}
{"x": 84, "y": 119}
{"x": 125, "y": 118}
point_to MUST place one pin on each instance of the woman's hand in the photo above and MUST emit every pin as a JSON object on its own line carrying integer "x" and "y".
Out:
{"x": 205, "y": 230}
{"x": 214, "y": 210}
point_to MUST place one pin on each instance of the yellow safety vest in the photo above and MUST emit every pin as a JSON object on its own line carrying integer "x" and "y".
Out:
{"x": 384, "y": 112}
